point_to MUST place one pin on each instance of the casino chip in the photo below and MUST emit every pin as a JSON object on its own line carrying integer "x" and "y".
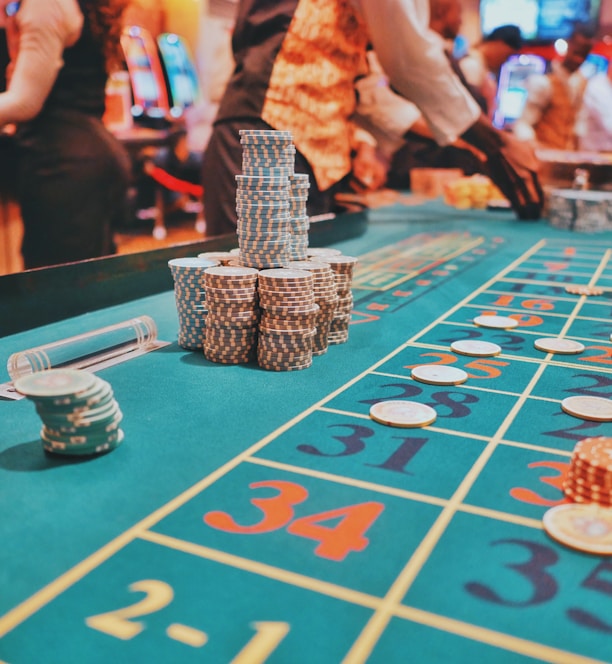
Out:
{"x": 476, "y": 348}
{"x": 559, "y": 345}
{"x": 79, "y": 413}
{"x": 587, "y": 528}
{"x": 55, "y": 386}
{"x": 575, "y": 289}
{"x": 496, "y": 322}
{"x": 589, "y": 477}
{"x": 190, "y": 298}
{"x": 403, "y": 414}
{"x": 436, "y": 374}
{"x": 595, "y": 409}
{"x": 343, "y": 269}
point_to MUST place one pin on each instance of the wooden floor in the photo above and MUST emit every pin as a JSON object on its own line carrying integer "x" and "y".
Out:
{"x": 141, "y": 237}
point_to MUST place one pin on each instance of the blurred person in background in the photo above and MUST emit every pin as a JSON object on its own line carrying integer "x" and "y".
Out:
{"x": 405, "y": 138}
{"x": 553, "y": 99}
{"x": 296, "y": 65}
{"x": 73, "y": 174}
{"x": 402, "y": 138}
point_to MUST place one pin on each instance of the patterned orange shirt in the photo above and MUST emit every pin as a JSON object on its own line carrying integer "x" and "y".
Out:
{"x": 311, "y": 89}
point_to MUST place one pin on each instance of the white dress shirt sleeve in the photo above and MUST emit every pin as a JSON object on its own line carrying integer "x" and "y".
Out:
{"x": 385, "y": 115}
{"x": 414, "y": 60}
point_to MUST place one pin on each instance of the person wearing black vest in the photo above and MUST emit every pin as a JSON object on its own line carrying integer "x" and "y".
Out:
{"x": 73, "y": 174}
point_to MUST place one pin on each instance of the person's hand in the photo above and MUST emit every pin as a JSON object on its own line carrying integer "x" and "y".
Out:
{"x": 516, "y": 167}
{"x": 369, "y": 169}
{"x": 512, "y": 165}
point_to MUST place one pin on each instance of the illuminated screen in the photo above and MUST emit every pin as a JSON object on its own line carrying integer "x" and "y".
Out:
{"x": 539, "y": 20}
{"x": 136, "y": 53}
{"x": 145, "y": 85}
{"x": 511, "y": 93}
{"x": 523, "y": 13}
{"x": 181, "y": 74}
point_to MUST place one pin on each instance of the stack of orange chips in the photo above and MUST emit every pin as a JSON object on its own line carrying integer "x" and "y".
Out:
{"x": 589, "y": 479}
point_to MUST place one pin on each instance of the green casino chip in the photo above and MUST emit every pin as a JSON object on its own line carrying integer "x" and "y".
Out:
{"x": 55, "y": 383}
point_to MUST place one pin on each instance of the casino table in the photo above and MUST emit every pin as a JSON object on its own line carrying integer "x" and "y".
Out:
{"x": 260, "y": 516}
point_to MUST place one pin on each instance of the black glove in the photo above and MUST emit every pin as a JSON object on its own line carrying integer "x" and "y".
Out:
{"x": 511, "y": 165}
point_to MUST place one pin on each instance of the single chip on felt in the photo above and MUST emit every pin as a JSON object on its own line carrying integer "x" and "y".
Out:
{"x": 559, "y": 345}
{"x": 436, "y": 374}
{"x": 496, "y": 322}
{"x": 584, "y": 527}
{"x": 595, "y": 409}
{"x": 404, "y": 414}
{"x": 475, "y": 348}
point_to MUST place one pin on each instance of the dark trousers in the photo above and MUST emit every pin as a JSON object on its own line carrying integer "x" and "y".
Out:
{"x": 73, "y": 182}
{"x": 223, "y": 161}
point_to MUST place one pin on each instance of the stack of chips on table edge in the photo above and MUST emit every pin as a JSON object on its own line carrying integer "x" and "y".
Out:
{"x": 190, "y": 297}
{"x": 233, "y": 314}
{"x": 586, "y": 211}
{"x": 79, "y": 412}
{"x": 589, "y": 479}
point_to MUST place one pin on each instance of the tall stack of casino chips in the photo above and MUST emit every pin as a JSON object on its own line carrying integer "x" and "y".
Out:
{"x": 342, "y": 267}
{"x": 300, "y": 223}
{"x": 585, "y": 211}
{"x": 79, "y": 412}
{"x": 190, "y": 297}
{"x": 233, "y": 314}
{"x": 325, "y": 296}
{"x": 589, "y": 478}
{"x": 288, "y": 314}
{"x": 262, "y": 198}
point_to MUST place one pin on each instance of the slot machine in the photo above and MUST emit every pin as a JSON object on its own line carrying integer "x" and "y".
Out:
{"x": 179, "y": 71}
{"x": 511, "y": 91}
{"x": 151, "y": 103}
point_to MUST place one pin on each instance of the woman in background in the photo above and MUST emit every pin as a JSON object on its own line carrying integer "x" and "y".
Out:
{"x": 73, "y": 174}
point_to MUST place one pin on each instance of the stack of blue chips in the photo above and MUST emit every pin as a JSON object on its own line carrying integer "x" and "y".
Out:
{"x": 190, "y": 297}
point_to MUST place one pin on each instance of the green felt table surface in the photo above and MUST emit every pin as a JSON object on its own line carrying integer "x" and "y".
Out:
{"x": 383, "y": 544}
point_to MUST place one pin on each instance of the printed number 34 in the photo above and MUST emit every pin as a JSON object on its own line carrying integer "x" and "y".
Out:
{"x": 335, "y": 542}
